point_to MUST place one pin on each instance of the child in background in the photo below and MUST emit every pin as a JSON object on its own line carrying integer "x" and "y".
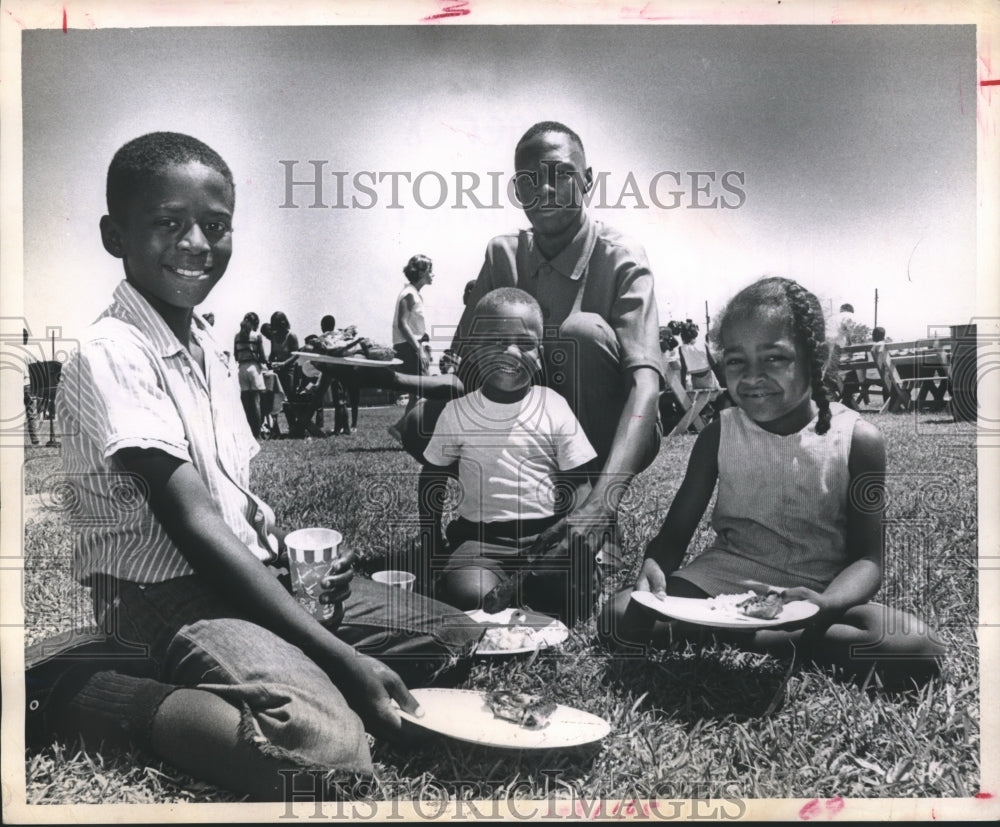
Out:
{"x": 241, "y": 682}
{"x": 694, "y": 359}
{"x": 671, "y": 409}
{"x": 872, "y": 376}
{"x": 248, "y": 350}
{"x": 797, "y": 477}
{"x": 514, "y": 441}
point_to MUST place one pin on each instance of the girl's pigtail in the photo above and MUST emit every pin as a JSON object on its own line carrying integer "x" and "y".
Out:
{"x": 807, "y": 317}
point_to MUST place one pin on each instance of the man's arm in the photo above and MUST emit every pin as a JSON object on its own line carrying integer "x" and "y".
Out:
{"x": 630, "y": 448}
{"x": 185, "y": 509}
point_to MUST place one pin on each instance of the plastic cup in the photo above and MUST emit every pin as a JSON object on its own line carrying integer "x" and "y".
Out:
{"x": 311, "y": 554}
{"x": 397, "y": 579}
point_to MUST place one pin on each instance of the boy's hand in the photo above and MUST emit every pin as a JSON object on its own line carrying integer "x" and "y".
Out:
{"x": 651, "y": 578}
{"x": 336, "y": 585}
{"x": 370, "y": 688}
{"x": 583, "y": 531}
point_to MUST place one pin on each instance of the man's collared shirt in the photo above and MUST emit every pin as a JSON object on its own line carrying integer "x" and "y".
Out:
{"x": 133, "y": 385}
{"x": 619, "y": 285}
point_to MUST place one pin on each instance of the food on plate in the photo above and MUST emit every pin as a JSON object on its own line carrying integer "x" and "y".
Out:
{"x": 748, "y": 604}
{"x": 509, "y": 638}
{"x": 728, "y": 602}
{"x": 763, "y": 606}
{"x": 522, "y": 708}
{"x": 377, "y": 352}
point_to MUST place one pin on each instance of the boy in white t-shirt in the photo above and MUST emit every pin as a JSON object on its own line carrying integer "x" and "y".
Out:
{"x": 514, "y": 441}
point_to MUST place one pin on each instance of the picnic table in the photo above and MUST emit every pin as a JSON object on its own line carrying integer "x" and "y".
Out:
{"x": 938, "y": 365}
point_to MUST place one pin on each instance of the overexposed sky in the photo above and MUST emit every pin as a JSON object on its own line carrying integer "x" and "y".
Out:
{"x": 856, "y": 147}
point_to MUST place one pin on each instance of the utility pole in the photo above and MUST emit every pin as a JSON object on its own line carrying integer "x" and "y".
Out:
{"x": 876, "y": 309}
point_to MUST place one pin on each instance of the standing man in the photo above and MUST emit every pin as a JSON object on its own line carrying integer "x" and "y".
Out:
{"x": 601, "y": 330}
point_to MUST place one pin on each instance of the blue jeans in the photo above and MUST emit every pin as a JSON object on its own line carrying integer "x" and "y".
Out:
{"x": 291, "y": 708}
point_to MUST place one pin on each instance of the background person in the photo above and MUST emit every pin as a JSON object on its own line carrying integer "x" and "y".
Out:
{"x": 409, "y": 327}
{"x": 248, "y": 350}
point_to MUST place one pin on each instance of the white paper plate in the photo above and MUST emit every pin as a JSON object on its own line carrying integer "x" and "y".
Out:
{"x": 700, "y": 612}
{"x": 463, "y": 714}
{"x": 548, "y": 631}
{"x": 352, "y": 361}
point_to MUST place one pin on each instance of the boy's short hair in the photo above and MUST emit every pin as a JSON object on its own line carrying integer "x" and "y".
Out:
{"x": 492, "y": 303}
{"x": 150, "y": 154}
{"x": 327, "y": 323}
{"x": 878, "y": 334}
{"x": 549, "y": 126}
{"x": 846, "y": 308}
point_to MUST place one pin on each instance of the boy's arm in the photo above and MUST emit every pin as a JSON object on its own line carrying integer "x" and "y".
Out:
{"x": 861, "y": 578}
{"x": 666, "y": 550}
{"x": 185, "y": 509}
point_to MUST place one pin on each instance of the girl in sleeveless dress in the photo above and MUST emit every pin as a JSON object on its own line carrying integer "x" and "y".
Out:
{"x": 799, "y": 508}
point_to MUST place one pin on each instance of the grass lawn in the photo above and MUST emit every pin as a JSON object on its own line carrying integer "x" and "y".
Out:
{"x": 714, "y": 722}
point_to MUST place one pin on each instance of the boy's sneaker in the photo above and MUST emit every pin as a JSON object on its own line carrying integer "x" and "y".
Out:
{"x": 56, "y": 667}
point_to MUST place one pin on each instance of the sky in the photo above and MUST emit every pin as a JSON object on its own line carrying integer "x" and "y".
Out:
{"x": 848, "y": 154}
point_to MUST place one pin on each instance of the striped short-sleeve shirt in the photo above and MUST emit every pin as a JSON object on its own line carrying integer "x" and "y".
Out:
{"x": 133, "y": 385}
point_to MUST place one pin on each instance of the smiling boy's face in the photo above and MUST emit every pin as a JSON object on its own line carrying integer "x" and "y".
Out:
{"x": 175, "y": 235}
{"x": 508, "y": 352}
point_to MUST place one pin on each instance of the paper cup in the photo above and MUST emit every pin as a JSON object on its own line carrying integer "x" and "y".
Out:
{"x": 311, "y": 554}
{"x": 398, "y": 579}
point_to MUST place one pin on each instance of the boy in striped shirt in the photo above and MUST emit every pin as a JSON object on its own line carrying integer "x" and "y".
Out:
{"x": 182, "y": 559}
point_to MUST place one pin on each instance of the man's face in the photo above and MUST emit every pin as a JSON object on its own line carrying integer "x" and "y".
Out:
{"x": 175, "y": 238}
{"x": 551, "y": 172}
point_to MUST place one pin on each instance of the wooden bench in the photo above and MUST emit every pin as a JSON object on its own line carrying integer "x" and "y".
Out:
{"x": 921, "y": 360}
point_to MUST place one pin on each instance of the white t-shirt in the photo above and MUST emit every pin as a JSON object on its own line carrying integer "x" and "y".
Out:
{"x": 415, "y": 316}
{"x": 507, "y": 453}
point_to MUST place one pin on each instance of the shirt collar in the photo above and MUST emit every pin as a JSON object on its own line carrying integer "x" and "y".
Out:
{"x": 141, "y": 312}
{"x": 573, "y": 260}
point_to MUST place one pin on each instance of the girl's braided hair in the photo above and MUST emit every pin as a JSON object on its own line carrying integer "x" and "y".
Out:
{"x": 808, "y": 328}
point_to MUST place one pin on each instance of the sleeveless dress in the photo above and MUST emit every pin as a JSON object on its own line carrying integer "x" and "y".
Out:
{"x": 781, "y": 513}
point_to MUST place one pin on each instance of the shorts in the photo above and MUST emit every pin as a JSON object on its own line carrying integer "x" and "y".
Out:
{"x": 251, "y": 376}
{"x": 411, "y": 360}
{"x": 556, "y": 585}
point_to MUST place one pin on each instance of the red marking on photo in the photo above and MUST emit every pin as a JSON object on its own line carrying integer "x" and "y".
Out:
{"x": 809, "y": 810}
{"x": 989, "y": 82}
{"x": 983, "y": 796}
{"x": 64, "y": 20}
{"x": 457, "y": 8}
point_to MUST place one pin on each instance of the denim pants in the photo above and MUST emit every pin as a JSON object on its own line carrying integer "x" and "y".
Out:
{"x": 291, "y": 708}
